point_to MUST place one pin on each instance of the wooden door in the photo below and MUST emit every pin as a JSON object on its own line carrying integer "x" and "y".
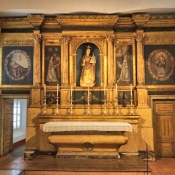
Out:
{"x": 164, "y": 127}
{"x": 8, "y": 126}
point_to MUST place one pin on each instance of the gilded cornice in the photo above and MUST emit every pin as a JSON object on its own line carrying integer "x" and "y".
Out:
{"x": 161, "y": 21}
{"x": 14, "y": 23}
{"x": 87, "y": 20}
{"x": 140, "y": 19}
{"x": 83, "y": 21}
{"x": 35, "y": 20}
{"x": 124, "y": 22}
{"x": 51, "y": 22}
{"x": 147, "y": 20}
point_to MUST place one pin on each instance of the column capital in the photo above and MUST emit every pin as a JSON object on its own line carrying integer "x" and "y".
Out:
{"x": 110, "y": 38}
{"x": 65, "y": 38}
{"x": 37, "y": 37}
{"x": 139, "y": 36}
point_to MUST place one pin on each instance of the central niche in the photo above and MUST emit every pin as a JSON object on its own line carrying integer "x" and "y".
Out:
{"x": 88, "y": 71}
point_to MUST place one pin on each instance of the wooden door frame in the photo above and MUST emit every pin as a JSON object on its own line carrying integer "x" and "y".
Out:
{"x": 152, "y": 98}
{"x": 2, "y": 98}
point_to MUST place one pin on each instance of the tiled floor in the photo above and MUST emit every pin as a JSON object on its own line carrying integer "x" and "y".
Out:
{"x": 163, "y": 166}
{"x": 13, "y": 164}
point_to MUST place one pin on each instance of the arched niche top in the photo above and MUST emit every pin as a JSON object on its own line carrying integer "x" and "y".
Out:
{"x": 77, "y": 42}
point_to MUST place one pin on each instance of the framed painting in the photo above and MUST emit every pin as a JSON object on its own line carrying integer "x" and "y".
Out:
{"x": 124, "y": 65}
{"x": 17, "y": 65}
{"x": 52, "y": 65}
{"x": 124, "y": 98}
{"x": 81, "y": 97}
{"x": 159, "y": 64}
{"x": 51, "y": 97}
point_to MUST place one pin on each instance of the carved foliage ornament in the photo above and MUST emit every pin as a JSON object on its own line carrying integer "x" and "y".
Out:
{"x": 162, "y": 18}
{"x": 13, "y": 20}
{"x": 159, "y": 40}
{"x": 17, "y": 42}
{"x": 123, "y": 41}
{"x": 110, "y": 38}
{"x": 66, "y": 38}
{"x": 37, "y": 38}
{"x": 91, "y": 17}
{"x": 55, "y": 42}
{"x": 139, "y": 36}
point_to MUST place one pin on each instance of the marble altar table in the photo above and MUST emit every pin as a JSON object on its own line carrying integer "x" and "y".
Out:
{"x": 87, "y": 138}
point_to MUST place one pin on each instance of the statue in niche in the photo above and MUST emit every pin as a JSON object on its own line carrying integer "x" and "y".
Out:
{"x": 87, "y": 78}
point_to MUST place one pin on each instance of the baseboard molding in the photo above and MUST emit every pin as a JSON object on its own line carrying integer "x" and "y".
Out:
{"x": 19, "y": 143}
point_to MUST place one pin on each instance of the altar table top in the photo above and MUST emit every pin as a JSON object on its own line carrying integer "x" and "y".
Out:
{"x": 86, "y": 126}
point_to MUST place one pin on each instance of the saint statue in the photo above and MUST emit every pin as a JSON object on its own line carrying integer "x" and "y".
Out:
{"x": 87, "y": 78}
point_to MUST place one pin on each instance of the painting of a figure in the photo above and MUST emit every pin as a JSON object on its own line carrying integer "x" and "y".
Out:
{"x": 17, "y": 65}
{"x": 124, "y": 65}
{"x": 52, "y": 65}
{"x": 88, "y": 65}
{"x": 160, "y": 65}
{"x": 51, "y": 98}
{"x": 81, "y": 97}
{"x": 124, "y": 98}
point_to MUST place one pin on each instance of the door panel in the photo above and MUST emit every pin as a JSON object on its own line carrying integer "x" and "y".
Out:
{"x": 164, "y": 128}
{"x": 8, "y": 126}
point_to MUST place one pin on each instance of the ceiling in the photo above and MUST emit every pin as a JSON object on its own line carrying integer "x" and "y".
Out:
{"x": 19, "y": 8}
